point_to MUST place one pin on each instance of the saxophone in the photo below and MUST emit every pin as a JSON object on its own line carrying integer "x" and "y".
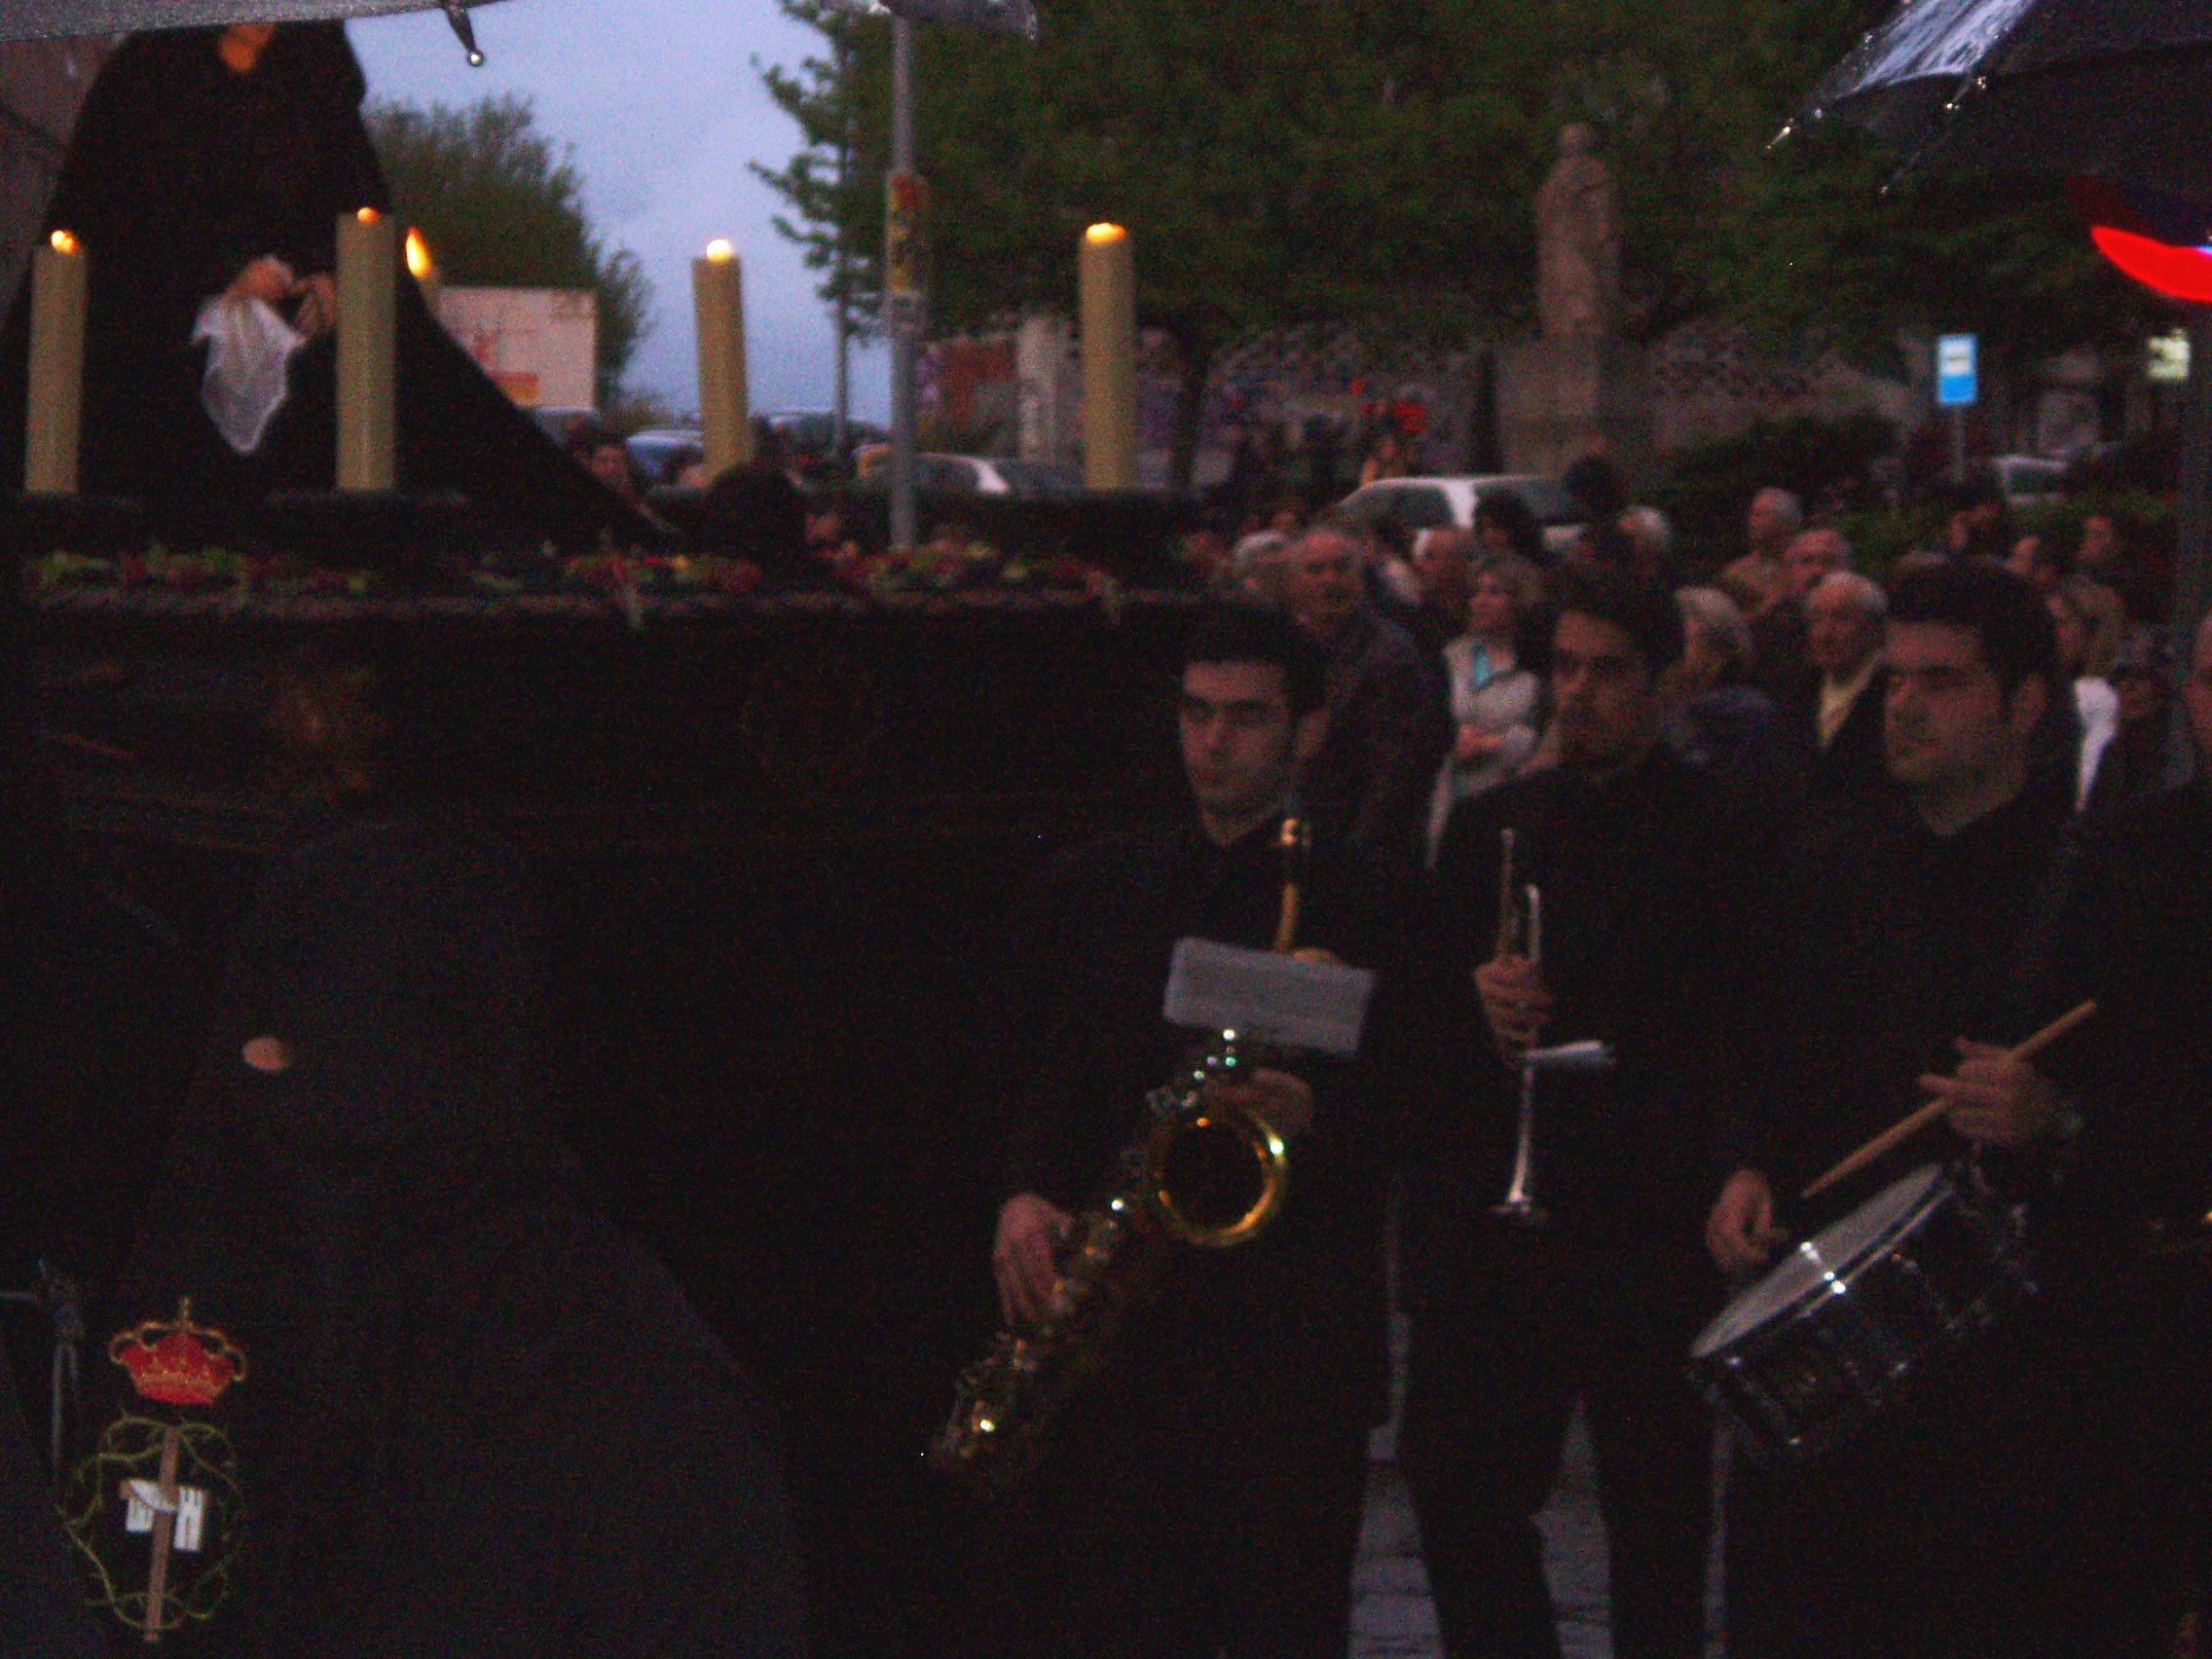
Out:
{"x": 1192, "y": 1174}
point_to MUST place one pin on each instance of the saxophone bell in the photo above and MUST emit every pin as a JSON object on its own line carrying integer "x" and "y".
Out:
{"x": 1216, "y": 1175}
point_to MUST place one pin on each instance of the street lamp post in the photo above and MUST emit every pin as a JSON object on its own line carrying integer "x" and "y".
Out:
{"x": 901, "y": 299}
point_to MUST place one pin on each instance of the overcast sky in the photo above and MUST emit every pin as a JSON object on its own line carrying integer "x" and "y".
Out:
{"x": 664, "y": 108}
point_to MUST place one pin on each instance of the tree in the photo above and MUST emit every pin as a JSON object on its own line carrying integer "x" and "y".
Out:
{"x": 499, "y": 209}
{"x": 1813, "y": 247}
{"x": 1271, "y": 163}
{"x": 1372, "y": 164}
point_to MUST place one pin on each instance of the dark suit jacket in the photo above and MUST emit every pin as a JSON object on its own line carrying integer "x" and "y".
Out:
{"x": 1849, "y": 771}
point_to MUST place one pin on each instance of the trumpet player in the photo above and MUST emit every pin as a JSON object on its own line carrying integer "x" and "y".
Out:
{"x": 1202, "y": 1492}
{"x": 1589, "y": 1285}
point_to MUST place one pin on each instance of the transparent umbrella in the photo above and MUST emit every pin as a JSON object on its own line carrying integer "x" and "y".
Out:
{"x": 43, "y": 20}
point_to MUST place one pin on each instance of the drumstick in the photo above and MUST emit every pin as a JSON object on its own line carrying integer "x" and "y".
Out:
{"x": 1905, "y": 1130}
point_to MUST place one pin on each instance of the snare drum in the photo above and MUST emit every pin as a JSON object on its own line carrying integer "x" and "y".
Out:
{"x": 1850, "y": 1319}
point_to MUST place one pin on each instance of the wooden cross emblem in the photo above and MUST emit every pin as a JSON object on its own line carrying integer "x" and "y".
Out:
{"x": 167, "y": 1476}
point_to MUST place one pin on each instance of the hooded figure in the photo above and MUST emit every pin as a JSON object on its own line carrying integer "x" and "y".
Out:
{"x": 184, "y": 170}
{"x": 463, "y": 1415}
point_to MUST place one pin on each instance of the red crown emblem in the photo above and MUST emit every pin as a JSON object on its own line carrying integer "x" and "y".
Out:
{"x": 177, "y": 1362}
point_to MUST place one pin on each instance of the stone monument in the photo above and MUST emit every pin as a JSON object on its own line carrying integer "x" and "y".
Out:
{"x": 1578, "y": 245}
{"x": 1577, "y": 390}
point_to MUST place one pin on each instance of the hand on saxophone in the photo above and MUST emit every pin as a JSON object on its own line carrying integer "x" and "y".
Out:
{"x": 1024, "y": 1257}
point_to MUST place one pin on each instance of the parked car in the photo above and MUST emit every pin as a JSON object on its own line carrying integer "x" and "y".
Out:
{"x": 970, "y": 474}
{"x": 1433, "y": 503}
{"x": 558, "y": 421}
{"x": 661, "y": 453}
{"x": 810, "y": 440}
{"x": 2028, "y": 480}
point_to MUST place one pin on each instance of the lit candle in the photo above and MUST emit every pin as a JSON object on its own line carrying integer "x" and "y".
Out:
{"x": 368, "y": 282}
{"x": 423, "y": 269}
{"x": 718, "y": 297}
{"x": 1107, "y": 287}
{"x": 56, "y": 366}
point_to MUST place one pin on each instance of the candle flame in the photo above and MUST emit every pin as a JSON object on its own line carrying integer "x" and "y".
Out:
{"x": 719, "y": 249}
{"x": 419, "y": 261}
{"x": 368, "y": 215}
{"x": 1099, "y": 235}
{"x": 64, "y": 242}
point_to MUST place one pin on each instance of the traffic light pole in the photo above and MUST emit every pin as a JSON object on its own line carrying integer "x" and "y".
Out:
{"x": 902, "y": 311}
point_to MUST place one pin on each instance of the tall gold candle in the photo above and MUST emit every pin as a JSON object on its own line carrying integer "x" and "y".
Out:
{"x": 57, "y": 386}
{"x": 368, "y": 279}
{"x": 1107, "y": 287}
{"x": 718, "y": 298}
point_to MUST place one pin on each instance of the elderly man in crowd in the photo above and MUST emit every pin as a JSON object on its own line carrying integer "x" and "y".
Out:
{"x": 1838, "y": 728}
{"x": 1781, "y": 667}
{"x": 1388, "y": 730}
{"x": 1754, "y": 581}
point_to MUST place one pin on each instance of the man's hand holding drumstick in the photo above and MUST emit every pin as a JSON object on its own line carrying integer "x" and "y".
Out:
{"x": 1994, "y": 1099}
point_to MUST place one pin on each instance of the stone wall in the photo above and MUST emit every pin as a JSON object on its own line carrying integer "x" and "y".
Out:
{"x": 1703, "y": 382}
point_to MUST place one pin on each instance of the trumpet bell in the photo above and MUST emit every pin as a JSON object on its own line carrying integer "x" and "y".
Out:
{"x": 1217, "y": 1176}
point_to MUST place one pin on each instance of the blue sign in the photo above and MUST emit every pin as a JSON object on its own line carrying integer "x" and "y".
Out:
{"x": 1954, "y": 370}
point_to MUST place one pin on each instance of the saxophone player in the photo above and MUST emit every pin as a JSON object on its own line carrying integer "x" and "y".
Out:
{"x": 1202, "y": 1492}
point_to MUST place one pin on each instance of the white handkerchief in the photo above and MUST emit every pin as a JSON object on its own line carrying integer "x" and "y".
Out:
{"x": 249, "y": 353}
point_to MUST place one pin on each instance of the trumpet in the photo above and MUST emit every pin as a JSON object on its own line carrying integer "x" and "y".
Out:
{"x": 1520, "y": 933}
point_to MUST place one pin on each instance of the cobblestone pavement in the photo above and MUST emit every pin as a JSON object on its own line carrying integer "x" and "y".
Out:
{"x": 1391, "y": 1614}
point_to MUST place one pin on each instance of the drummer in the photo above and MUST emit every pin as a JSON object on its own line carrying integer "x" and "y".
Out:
{"x": 1900, "y": 939}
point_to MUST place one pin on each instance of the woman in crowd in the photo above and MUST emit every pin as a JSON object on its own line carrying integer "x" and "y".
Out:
{"x": 1721, "y": 723}
{"x": 2089, "y": 619}
{"x": 1496, "y": 698}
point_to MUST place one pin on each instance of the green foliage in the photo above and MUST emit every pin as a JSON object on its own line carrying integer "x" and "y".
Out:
{"x": 499, "y": 209}
{"x": 1374, "y": 163}
{"x": 1813, "y": 246}
{"x": 1707, "y": 489}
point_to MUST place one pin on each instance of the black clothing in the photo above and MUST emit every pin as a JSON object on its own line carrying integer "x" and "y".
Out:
{"x": 1206, "y": 1485}
{"x": 41, "y": 1611}
{"x": 2136, "y": 934}
{"x": 476, "y": 1418}
{"x": 1890, "y": 943}
{"x": 1982, "y": 1514}
{"x": 1733, "y": 734}
{"x": 1639, "y": 877}
{"x": 101, "y": 1032}
{"x": 1780, "y": 666}
{"x": 1644, "y": 879}
{"x": 1375, "y": 773}
{"x": 1848, "y": 775}
{"x": 2132, "y": 767}
{"x": 181, "y": 172}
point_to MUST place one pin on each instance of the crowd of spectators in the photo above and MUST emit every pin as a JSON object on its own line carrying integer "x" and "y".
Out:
{"x": 1437, "y": 641}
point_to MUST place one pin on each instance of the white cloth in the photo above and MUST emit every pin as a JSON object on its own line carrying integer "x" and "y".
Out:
{"x": 2098, "y": 705}
{"x": 1838, "y": 697}
{"x": 249, "y": 355}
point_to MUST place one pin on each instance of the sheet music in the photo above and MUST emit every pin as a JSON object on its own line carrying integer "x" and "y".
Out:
{"x": 1268, "y": 997}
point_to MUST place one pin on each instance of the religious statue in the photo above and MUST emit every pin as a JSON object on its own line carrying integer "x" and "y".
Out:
{"x": 1578, "y": 245}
